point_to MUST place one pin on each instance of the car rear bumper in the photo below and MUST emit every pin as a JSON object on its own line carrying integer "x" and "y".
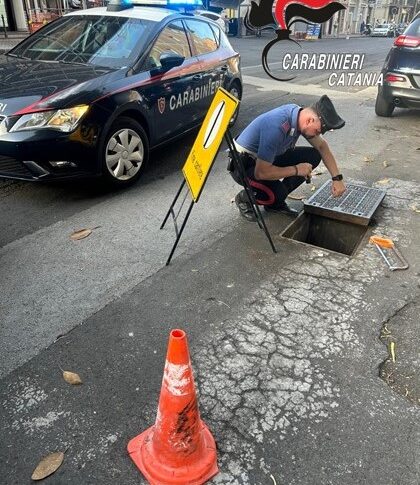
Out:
{"x": 33, "y": 155}
{"x": 402, "y": 97}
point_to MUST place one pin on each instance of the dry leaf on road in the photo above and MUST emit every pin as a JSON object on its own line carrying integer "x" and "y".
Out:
{"x": 385, "y": 163}
{"x": 414, "y": 208}
{"x": 368, "y": 159}
{"x": 383, "y": 181}
{"x": 313, "y": 188}
{"x": 81, "y": 234}
{"x": 72, "y": 378}
{"x": 48, "y": 465}
{"x": 296, "y": 197}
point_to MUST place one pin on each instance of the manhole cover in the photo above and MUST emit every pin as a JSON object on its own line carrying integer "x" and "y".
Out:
{"x": 356, "y": 205}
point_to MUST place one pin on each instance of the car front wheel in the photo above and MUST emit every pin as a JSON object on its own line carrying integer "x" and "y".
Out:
{"x": 125, "y": 152}
{"x": 383, "y": 107}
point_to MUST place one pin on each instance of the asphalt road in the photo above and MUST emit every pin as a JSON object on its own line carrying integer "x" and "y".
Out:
{"x": 286, "y": 348}
{"x": 29, "y": 207}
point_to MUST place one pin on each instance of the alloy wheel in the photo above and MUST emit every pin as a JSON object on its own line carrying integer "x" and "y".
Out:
{"x": 124, "y": 154}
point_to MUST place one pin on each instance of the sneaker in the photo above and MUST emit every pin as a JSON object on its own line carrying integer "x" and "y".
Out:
{"x": 282, "y": 209}
{"x": 244, "y": 206}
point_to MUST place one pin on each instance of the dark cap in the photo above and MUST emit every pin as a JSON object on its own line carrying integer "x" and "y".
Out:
{"x": 330, "y": 120}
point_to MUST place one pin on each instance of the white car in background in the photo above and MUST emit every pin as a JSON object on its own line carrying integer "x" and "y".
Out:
{"x": 381, "y": 30}
{"x": 212, "y": 16}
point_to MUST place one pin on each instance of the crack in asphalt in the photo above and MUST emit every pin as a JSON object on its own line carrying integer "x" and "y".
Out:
{"x": 388, "y": 370}
{"x": 264, "y": 376}
{"x": 272, "y": 366}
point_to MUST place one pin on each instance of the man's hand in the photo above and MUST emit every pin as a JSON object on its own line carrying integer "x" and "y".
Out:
{"x": 304, "y": 169}
{"x": 337, "y": 188}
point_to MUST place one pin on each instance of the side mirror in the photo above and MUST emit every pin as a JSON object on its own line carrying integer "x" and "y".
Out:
{"x": 170, "y": 59}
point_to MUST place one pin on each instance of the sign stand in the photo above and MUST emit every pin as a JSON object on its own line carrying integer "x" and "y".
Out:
{"x": 171, "y": 211}
{"x": 200, "y": 161}
{"x": 248, "y": 189}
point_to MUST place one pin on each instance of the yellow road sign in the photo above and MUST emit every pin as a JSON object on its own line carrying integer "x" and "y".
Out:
{"x": 207, "y": 143}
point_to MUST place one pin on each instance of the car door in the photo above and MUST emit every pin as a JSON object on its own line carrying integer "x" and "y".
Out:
{"x": 169, "y": 93}
{"x": 213, "y": 62}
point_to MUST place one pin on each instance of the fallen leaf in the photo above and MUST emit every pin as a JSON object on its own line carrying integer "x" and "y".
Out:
{"x": 414, "y": 208}
{"x": 383, "y": 181}
{"x": 72, "y": 378}
{"x": 48, "y": 465}
{"x": 385, "y": 164}
{"x": 313, "y": 188}
{"x": 81, "y": 234}
{"x": 296, "y": 197}
{"x": 368, "y": 159}
{"x": 391, "y": 349}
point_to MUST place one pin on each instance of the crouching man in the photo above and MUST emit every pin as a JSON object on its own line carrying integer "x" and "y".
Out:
{"x": 274, "y": 165}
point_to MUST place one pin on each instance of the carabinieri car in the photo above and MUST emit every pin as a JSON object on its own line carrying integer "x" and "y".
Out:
{"x": 94, "y": 91}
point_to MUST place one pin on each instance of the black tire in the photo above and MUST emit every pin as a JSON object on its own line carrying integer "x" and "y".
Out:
{"x": 121, "y": 165}
{"x": 236, "y": 91}
{"x": 383, "y": 107}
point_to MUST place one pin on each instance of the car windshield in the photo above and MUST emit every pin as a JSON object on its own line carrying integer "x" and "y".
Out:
{"x": 382, "y": 26}
{"x": 107, "y": 41}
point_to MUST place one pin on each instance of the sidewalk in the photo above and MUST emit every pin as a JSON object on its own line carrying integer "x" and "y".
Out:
{"x": 13, "y": 38}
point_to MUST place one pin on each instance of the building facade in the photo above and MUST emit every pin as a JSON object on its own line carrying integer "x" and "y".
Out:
{"x": 348, "y": 21}
{"x": 13, "y": 15}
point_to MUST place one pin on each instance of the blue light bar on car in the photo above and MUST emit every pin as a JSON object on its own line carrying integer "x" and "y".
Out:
{"x": 118, "y": 5}
{"x": 185, "y": 2}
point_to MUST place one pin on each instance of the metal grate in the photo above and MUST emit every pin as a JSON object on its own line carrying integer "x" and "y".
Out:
{"x": 356, "y": 205}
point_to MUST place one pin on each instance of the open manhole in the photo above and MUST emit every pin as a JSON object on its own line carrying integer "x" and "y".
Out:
{"x": 337, "y": 224}
{"x": 341, "y": 237}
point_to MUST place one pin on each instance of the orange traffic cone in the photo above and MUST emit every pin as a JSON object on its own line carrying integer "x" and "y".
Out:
{"x": 179, "y": 448}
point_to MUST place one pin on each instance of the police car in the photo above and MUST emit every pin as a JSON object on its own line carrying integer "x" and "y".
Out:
{"x": 94, "y": 91}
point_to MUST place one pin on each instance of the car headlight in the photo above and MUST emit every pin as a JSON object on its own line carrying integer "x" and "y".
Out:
{"x": 60, "y": 119}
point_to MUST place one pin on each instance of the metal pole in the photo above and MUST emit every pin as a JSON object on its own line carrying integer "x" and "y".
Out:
{"x": 4, "y": 26}
{"x": 27, "y": 9}
{"x": 239, "y": 34}
{"x": 180, "y": 233}
{"x": 172, "y": 205}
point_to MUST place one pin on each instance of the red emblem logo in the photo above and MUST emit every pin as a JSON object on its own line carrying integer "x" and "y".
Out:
{"x": 161, "y": 105}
